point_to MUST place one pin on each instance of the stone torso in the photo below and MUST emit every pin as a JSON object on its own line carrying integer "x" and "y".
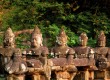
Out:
{"x": 62, "y": 52}
{"x": 101, "y": 52}
{"x": 7, "y": 54}
{"x": 36, "y": 53}
{"x": 82, "y": 52}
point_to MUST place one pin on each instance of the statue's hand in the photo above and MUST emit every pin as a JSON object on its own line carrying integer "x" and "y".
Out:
{"x": 102, "y": 63}
{"x": 31, "y": 64}
{"x": 70, "y": 68}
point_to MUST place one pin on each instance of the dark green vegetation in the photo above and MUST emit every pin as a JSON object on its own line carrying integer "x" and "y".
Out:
{"x": 75, "y": 16}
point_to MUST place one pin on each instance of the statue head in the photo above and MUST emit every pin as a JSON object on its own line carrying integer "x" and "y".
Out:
{"x": 36, "y": 38}
{"x": 101, "y": 39}
{"x": 9, "y": 38}
{"x": 83, "y": 39}
{"x": 62, "y": 38}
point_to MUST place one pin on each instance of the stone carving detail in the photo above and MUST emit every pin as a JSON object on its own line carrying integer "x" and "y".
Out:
{"x": 36, "y": 57}
{"x": 12, "y": 62}
{"x": 80, "y": 62}
{"x": 63, "y": 58}
{"x": 83, "y": 51}
{"x": 84, "y": 58}
{"x": 101, "y": 52}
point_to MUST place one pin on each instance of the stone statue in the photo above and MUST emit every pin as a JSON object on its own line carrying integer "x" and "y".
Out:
{"x": 102, "y": 52}
{"x": 102, "y": 57}
{"x": 13, "y": 65}
{"x": 101, "y": 39}
{"x": 62, "y": 62}
{"x": 36, "y": 57}
{"x": 84, "y": 58}
{"x": 83, "y": 51}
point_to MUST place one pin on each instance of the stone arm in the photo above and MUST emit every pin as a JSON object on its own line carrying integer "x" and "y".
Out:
{"x": 103, "y": 60}
{"x": 44, "y": 55}
{"x": 19, "y": 59}
{"x": 91, "y": 53}
{"x": 17, "y": 55}
{"x": 108, "y": 55}
{"x": 2, "y": 50}
{"x": 52, "y": 53}
{"x": 16, "y": 65}
{"x": 70, "y": 56}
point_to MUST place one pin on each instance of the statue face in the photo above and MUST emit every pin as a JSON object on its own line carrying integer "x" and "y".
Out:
{"x": 83, "y": 43}
{"x": 36, "y": 41}
{"x": 101, "y": 43}
{"x": 83, "y": 39}
{"x": 9, "y": 41}
{"x": 101, "y": 39}
{"x": 61, "y": 41}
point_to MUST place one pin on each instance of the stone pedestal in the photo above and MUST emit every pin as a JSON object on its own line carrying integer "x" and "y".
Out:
{"x": 86, "y": 72}
{"x": 84, "y": 75}
{"x": 91, "y": 75}
{"x": 102, "y": 75}
{"x": 15, "y": 77}
{"x": 64, "y": 75}
{"x": 36, "y": 77}
{"x": 60, "y": 75}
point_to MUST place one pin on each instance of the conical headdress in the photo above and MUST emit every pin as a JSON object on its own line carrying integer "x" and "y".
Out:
{"x": 83, "y": 36}
{"x": 83, "y": 39}
{"x": 101, "y": 39}
{"x": 9, "y": 33}
{"x": 36, "y": 32}
{"x": 101, "y": 36}
{"x": 62, "y": 34}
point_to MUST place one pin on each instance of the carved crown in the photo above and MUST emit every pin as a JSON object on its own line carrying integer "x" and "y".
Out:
{"x": 83, "y": 36}
{"x": 62, "y": 34}
{"x": 36, "y": 32}
{"x": 101, "y": 39}
{"x": 9, "y": 33}
{"x": 101, "y": 36}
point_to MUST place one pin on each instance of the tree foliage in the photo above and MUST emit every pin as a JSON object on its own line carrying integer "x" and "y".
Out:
{"x": 75, "y": 16}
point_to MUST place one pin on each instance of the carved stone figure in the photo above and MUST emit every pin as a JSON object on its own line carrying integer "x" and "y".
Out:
{"x": 36, "y": 57}
{"x": 83, "y": 51}
{"x": 12, "y": 63}
{"x": 84, "y": 58}
{"x": 102, "y": 56}
{"x": 101, "y": 52}
{"x": 63, "y": 66}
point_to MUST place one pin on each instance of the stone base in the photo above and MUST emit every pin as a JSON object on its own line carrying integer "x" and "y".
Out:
{"x": 102, "y": 75}
{"x": 15, "y": 77}
{"x": 64, "y": 75}
{"x": 36, "y": 76}
{"x": 84, "y": 75}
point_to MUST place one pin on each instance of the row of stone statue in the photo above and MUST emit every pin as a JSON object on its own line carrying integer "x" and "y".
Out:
{"x": 78, "y": 63}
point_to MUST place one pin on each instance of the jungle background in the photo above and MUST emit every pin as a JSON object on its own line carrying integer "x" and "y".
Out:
{"x": 75, "y": 16}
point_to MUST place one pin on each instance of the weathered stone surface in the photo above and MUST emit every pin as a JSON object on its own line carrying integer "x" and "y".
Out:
{"x": 12, "y": 62}
{"x": 34, "y": 63}
{"x": 36, "y": 57}
{"x": 84, "y": 62}
{"x": 62, "y": 61}
{"x": 59, "y": 62}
